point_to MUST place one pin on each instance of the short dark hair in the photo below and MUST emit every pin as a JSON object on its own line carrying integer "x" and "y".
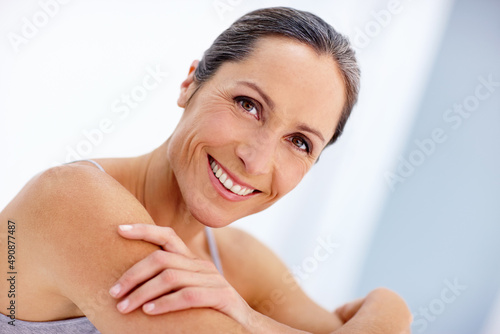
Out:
{"x": 238, "y": 41}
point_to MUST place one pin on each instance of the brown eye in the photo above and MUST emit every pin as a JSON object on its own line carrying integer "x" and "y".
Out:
{"x": 248, "y": 105}
{"x": 300, "y": 143}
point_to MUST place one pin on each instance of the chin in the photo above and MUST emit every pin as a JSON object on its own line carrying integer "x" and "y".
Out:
{"x": 211, "y": 219}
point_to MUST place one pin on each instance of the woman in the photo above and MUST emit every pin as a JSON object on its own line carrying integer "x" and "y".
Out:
{"x": 123, "y": 244}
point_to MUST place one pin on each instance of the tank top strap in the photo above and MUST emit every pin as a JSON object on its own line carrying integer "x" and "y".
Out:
{"x": 91, "y": 161}
{"x": 214, "y": 252}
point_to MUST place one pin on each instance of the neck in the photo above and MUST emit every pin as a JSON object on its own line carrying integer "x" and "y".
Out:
{"x": 151, "y": 180}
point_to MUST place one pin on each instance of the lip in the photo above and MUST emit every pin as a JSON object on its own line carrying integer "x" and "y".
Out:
{"x": 225, "y": 193}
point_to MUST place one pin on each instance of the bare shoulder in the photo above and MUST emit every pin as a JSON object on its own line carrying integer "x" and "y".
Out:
{"x": 250, "y": 266}
{"x": 79, "y": 186}
{"x": 57, "y": 216}
{"x": 74, "y": 184}
{"x": 267, "y": 284}
{"x": 78, "y": 208}
{"x": 68, "y": 203}
{"x": 72, "y": 214}
{"x": 236, "y": 237}
{"x": 242, "y": 247}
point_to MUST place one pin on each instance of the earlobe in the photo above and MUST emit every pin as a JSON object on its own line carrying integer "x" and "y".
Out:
{"x": 186, "y": 84}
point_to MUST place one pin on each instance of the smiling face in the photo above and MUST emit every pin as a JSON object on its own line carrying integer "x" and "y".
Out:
{"x": 251, "y": 132}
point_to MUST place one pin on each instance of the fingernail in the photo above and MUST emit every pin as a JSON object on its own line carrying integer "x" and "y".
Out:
{"x": 115, "y": 290}
{"x": 149, "y": 307}
{"x": 122, "y": 306}
{"x": 125, "y": 227}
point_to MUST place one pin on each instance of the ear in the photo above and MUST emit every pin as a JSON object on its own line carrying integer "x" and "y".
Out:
{"x": 187, "y": 86}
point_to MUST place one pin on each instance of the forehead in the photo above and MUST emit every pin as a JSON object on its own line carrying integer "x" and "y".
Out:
{"x": 306, "y": 87}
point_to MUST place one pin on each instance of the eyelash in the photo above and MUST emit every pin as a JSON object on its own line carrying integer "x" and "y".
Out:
{"x": 304, "y": 141}
{"x": 257, "y": 106}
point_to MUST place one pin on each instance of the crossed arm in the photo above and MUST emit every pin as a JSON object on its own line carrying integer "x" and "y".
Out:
{"x": 86, "y": 257}
{"x": 161, "y": 278}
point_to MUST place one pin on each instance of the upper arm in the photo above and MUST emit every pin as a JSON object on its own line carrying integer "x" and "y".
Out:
{"x": 78, "y": 211}
{"x": 273, "y": 290}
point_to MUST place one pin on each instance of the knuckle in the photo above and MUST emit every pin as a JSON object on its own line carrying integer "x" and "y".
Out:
{"x": 169, "y": 232}
{"x": 158, "y": 256}
{"x": 168, "y": 276}
{"x": 189, "y": 295}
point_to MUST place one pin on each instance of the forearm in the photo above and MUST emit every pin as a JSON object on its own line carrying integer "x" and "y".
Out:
{"x": 202, "y": 321}
{"x": 305, "y": 323}
{"x": 381, "y": 312}
{"x": 259, "y": 323}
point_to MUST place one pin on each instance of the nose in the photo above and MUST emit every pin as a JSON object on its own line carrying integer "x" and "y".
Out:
{"x": 258, "y": 152}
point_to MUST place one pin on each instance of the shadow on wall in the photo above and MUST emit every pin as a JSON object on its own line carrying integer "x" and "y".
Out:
{"x": 442, "y": 218}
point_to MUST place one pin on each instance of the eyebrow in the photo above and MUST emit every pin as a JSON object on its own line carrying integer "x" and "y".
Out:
{"x": 266, "y": 98}
{"x": 270, "y": 103}
{"x": 304, "y": 127}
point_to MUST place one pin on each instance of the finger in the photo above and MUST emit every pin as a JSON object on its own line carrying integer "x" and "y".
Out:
{"x": 347, "y": 311}
{"x": 152, "y": 265}
{"x": 164, "y": 283}
{"x": 189, "y": 297}
{"x": 159, "y": 235}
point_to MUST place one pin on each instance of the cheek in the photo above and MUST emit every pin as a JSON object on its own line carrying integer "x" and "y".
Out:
{"x": 216, "y": 122}
{"x": 289, "y": 172}
{"x": 203, "y": 125}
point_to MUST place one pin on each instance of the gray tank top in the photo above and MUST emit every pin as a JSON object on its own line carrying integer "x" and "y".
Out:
{"x": 81, "y": 325}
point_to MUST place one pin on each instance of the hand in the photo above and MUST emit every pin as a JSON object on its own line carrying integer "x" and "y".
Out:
{"x": 381, "y": 311}
{"x": 348, "y": 310}
{"x": 174, "y": 279}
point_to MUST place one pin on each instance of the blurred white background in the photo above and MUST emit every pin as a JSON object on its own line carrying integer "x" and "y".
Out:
{"x": 409, "y": 194}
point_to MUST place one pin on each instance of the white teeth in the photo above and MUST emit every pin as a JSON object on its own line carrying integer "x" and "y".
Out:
{"x": 223, "y": 178}
{"x": 227, "y": 182}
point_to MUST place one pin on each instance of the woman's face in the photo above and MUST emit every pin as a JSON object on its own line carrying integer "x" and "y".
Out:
{"x": 251, "y": 133}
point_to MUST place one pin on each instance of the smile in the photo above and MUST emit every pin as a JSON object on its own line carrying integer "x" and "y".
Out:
{"x": 229, "y": 182}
